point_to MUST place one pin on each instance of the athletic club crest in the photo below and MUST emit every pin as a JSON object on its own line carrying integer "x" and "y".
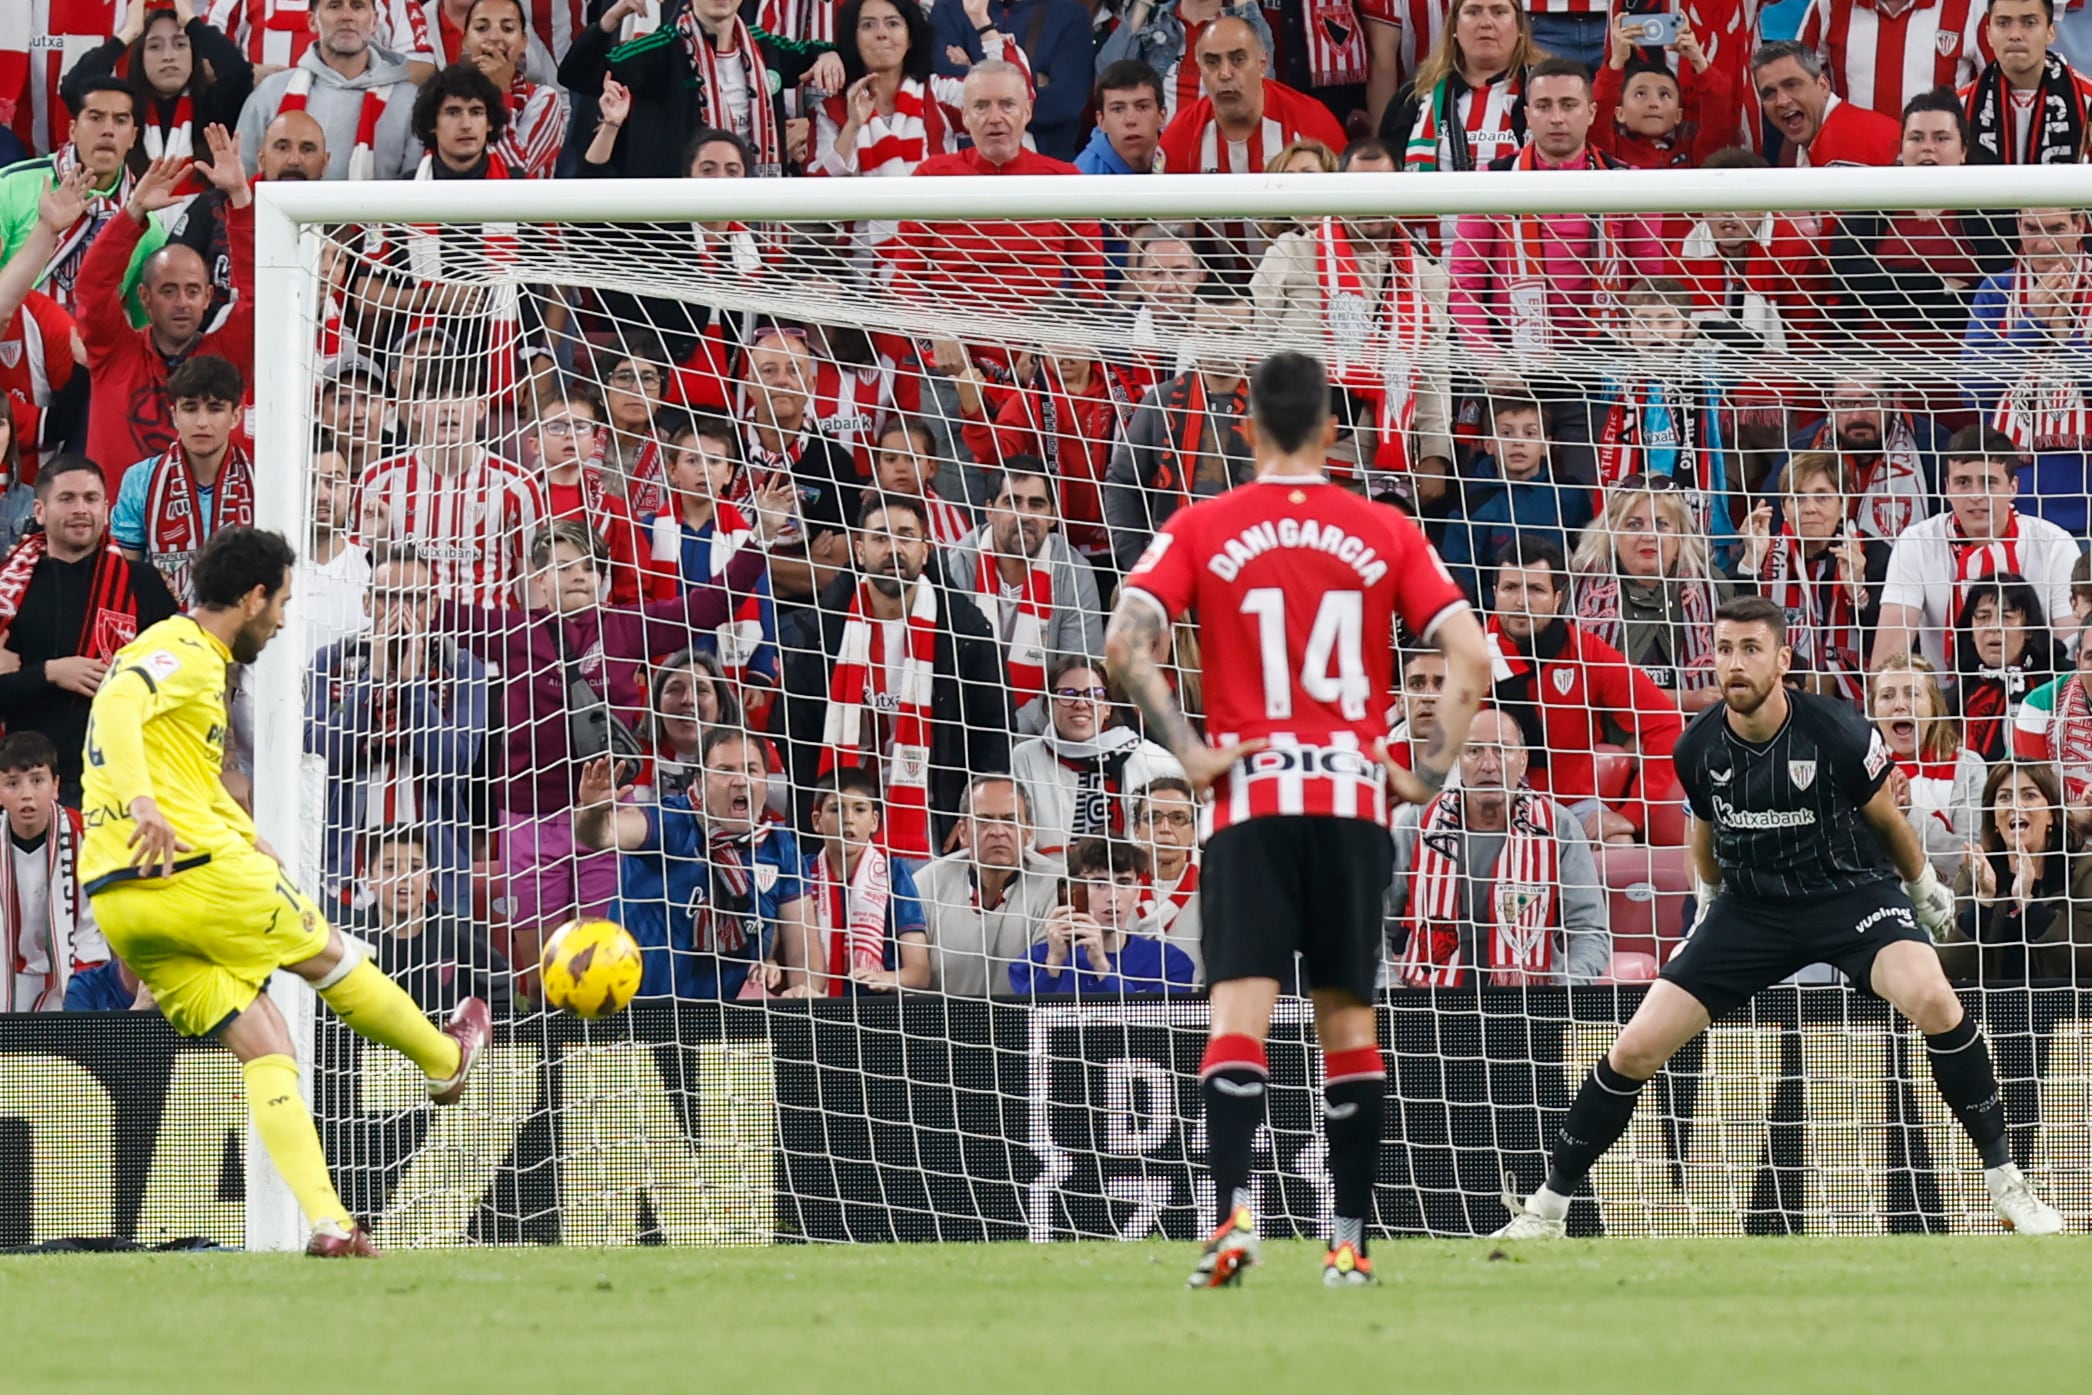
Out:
{"x": 1802, "y": 773}
{"x": 1564, "y": 679}
{"x": 1947, "y": 44}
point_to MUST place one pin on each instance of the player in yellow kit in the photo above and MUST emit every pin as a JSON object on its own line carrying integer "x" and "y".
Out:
{"x": 192, "y": 899}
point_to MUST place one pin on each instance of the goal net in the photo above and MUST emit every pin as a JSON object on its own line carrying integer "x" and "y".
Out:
{"x": 806, "y": 502}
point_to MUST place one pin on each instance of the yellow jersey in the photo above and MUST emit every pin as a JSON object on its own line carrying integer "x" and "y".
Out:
{"x": 158, "y": 727}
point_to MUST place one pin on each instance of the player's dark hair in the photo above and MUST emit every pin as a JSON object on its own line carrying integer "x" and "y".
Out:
{"x": 465, "y": 81}
{"x": 632, "y": 348}
{"x": 704, "y": 426}
{"x": 1112, "y": 857}
{"x": 236, "y": 561}
{"x": 1530, "y": 552}
{"x": 851, "y": 779}
{"x": 109, "y": 82}
{"x": 1029, "y": 466}
{"x": 718, "y": 736}
{"x": 1980, "y": 441}
{"x": 1123, "y": 76}
{"x": 2012, "y": 594}
{"x": 412, "y": 835}
{"x": 1943, "y": 100}
{"x": 66, "y": 463}
{"x": 1370, "y": 147}
{"x": 571, "y": 392}
{"x": 876, "y": 502}
{"x": 713, "y": 135}
{"x": 206, "y": 378}
{"x": 916, "y": 429}
{"x": 1064, "y": 664}
{"x": 1558, "y": 68}
{"x": 1735, "y": 157}
{"x": 1754, "y": 610}
{"x": 26, "y": 750}
{"x": 1289, "y": 398}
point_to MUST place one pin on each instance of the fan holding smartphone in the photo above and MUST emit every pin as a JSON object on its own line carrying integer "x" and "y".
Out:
{"x": 1649, "y": 116}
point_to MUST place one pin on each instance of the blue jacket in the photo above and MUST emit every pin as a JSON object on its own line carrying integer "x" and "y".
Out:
{"x": 1100, "y": 156}
{"x": 1495, "y": 510}
{"x": 1142, "y": 965}
{"x": 1995, "y": 357}
{"x": 666, "y": 888}
{"x": 1055, "y": 36}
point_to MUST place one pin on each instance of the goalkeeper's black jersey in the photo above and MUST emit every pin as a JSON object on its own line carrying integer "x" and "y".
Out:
{"x": 1786, "y": 814}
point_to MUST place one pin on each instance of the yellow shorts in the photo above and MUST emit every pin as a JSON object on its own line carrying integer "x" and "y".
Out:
{"x": 207, "y": 940}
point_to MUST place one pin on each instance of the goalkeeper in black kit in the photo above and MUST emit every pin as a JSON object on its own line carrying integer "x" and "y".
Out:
{"x": 1799, "y": 849}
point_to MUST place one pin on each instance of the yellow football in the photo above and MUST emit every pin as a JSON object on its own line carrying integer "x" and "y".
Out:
{"x": 590, "y": 968}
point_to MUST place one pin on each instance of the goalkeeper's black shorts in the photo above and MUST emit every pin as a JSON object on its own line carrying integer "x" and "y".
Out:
{"x": 1743, "y": 946}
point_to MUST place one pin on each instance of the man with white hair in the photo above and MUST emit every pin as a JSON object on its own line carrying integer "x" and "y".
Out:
{"x": 985, "y": 905}
{"x": 1002, "y": 264}
{"x": 1497, "y": 878}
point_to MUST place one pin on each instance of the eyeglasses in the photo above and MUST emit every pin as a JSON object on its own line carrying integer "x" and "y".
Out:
{"x": 1174, "y": 818}
{"x": 565, "y": 426}
{"x": 1082, "y": 694}
{"x": 625, "y": 377}
{"x": 1853, "y": 404}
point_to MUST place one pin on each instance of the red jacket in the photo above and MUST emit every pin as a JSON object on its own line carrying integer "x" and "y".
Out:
{"x": 1288, "y": 116}
{"x": 1581, "y": 694}
{"x": 1850, "y": 135}
{"x": 1785, "y": 266}
{"x": 965, "y": 265}
{"x": 1707, "y": 124}
{"x": 130, "y": 418}
{"x": 36, "y": 361}
{"x": 1079, "y": 450}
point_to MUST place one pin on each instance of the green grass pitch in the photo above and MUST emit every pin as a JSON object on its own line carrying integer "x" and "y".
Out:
{"x": 1770, "y": 1317}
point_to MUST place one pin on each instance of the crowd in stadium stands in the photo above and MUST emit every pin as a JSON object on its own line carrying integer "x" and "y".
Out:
{"x": 777, "y": 641}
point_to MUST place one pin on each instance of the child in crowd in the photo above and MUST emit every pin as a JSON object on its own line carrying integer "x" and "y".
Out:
{"x": 1512, "y": 491}
{"x": 48, "y": 932}
{"x": 864, "y": 899}
{"x": 1091, "y": 947}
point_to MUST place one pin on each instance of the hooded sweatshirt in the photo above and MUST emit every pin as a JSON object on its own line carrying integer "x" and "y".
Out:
{"x": 336, "y": 103}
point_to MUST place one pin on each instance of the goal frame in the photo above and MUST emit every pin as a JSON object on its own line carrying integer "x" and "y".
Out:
{"x": 286, "y": 280}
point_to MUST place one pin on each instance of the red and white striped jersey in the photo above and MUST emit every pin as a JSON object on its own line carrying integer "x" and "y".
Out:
{"x": 804, "y": 21}
{"x": 1568, "y": 7}
{"x": 274, "y": 32}
{"x": 1309, "y": 579}
{"x": 473, "y": 528}
{"x": 1420, "y": 22}
{"x": 39, "y": 40}
{"x": 1881, "y": 61}
{"x": 852, "y": 403}
{"x": 36, "y": 360}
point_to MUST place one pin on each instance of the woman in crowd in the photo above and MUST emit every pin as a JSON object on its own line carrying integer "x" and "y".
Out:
{"x": 690, "y": 695}
{"x": 1078, "y": 772}
{"x": 1645, "y": 584}
{"x": 1938, "y": 782}
{"x": 893, "y": 112}
{"x": 186, "y": 73}
{"x": 1815, "y": 570}
{"x": 497, "y": 40}
{"x": 1481, "y": 57}
{"x": 2003, "y": 650}
{"x": 2024, "y": 911}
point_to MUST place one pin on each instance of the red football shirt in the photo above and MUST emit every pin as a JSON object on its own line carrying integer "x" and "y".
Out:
{"x": 1297, "y": 585}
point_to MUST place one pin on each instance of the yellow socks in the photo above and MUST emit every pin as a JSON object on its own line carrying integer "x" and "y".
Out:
{"x": 286, "y": 1130}
{"x": 379, "y": 1010}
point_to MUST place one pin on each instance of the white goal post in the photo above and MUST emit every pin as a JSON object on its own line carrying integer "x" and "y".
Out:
{"x": 290, "y": 219}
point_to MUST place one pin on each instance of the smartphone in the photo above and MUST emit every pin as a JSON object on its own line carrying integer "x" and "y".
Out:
{"x": 1651, "y": 31}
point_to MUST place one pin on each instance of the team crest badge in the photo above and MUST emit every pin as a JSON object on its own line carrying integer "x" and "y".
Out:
{"x": 1802, "y": 773}
{"x": 765, "y": 877}
{"x": 1564, "y": 679}
{"x": 10, "y": 353}
{"x": 1947, "y": 44}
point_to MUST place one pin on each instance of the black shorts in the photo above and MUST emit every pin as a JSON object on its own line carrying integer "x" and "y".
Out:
{"x": 1271, "y": 887}
{"x": 1744, "y": 946}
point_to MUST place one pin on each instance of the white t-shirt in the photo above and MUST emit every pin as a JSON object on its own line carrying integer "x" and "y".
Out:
{"x": 332, "y": 594}
{"x": 1921, "y": 574}
{"x": 33, "y": 894}
{"x": 733, "y": 93}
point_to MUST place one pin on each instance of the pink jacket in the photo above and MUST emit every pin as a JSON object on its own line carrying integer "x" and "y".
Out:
{"x": 1484, "y": 266}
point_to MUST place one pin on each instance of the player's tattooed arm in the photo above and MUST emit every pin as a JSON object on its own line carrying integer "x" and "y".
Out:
{"x": 1131, "y": 641}
{"x": 1459, "y": 637}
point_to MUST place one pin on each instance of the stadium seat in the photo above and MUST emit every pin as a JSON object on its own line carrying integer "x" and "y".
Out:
{"x": 1613, "y": 772}
{"x": 1631, "y": 968}
{"x": 1665, "y": 826}
{"x": 1648, "y": 894}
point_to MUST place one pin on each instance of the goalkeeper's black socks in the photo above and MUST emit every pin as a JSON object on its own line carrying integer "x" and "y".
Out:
{"x": 1354, "y": 1108}
{"x": 1597, "y": 1117}
{"x": 1962, "y": 1071}
{"x": 1231, "y": 1084}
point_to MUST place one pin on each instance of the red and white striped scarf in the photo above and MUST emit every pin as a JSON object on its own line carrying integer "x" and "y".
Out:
{"x": 177, "y": 139}
{"x": 720, "y": 928}
{"x": 1155, "y": 912}
{"x": 1889, "y": 495}
{"x": 363, "y": 156}
{"x": 1336, "y": 42}
{"x": 63, "y": 903}
{"x": 62, "y": 267}
{"x": 1374, "y": 343}
{"x": 111, "y": 619}
{"x": 1523, "y": 894}
{"x": 500, "y": 245}
{"x": 1820, "y": 615}
{"x": 805, "y": 21}
{"x": 948, "y": 523}
{"x": 2070, "y": 736}
{"x": 892, "y": 146}
{"x": 174, "y": 524}
{"x": 705, "y": 58}
{"x": 1692, "y": 650}
{"x": 853, "y": 915}
{"x": 1974, "y": 560}
{"x": 868, "y": 683}
{"x": 2046, "y": 410}
{"x": 1024, "y": 636}
{"x": 851, "y": 402}
{"x": 737, "y": 638}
